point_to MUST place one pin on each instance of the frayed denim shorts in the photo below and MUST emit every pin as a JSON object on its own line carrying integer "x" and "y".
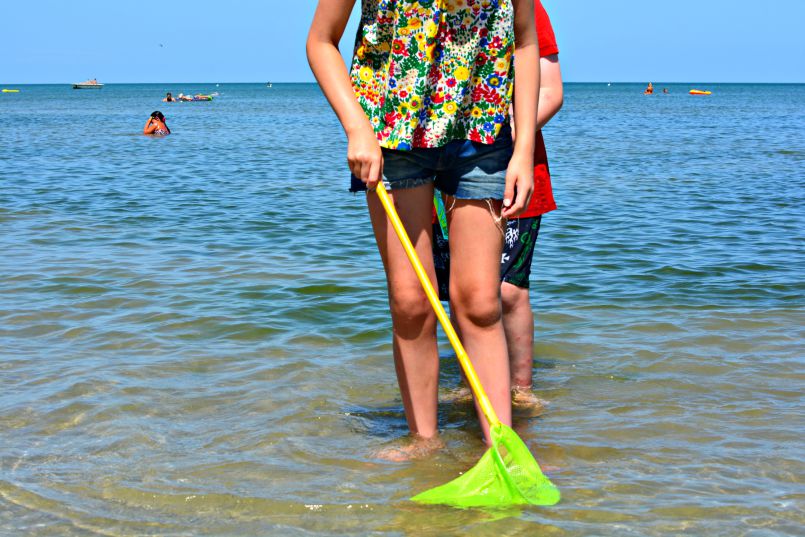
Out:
{"x": 462, "y": 168}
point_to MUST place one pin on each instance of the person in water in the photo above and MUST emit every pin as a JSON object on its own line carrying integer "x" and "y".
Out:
{"x": 649, "y": 89}
{"x": 156, "y": 125}
{"x": 169, "y": 98}
{"x": 427, "y": 104}
{"x": 522, "y": 231}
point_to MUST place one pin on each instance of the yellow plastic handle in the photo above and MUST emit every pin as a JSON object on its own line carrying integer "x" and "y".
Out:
{"x": 433, "y": 298}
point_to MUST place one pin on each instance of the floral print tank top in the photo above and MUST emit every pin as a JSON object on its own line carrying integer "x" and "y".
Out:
{"x": 428, "y": 72}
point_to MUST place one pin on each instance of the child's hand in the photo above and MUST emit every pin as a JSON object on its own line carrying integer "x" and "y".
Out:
{"x": 519, "y": 184}
{"x": 365, "y": 157}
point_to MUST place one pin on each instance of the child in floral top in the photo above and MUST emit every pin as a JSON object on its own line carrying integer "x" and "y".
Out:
{"x": 425, "y": 104}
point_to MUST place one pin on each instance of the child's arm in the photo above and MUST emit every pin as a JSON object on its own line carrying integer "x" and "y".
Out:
{"x": 551, "y": 92}
{"x": 520, "y": 174}
{"x": 363, "y": 154}
{"x": 150, "y": 126}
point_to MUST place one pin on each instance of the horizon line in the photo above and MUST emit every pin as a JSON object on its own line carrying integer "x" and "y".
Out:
{"x": 316, "y": 83}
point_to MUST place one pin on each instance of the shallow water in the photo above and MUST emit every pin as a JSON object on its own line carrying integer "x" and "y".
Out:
{"x": 194, "y": 336}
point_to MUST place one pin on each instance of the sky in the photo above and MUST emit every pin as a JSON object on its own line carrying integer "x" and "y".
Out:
{"x": 58, "y": 41}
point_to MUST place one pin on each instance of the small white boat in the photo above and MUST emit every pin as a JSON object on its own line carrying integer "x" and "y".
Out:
{"x": 89, "y": 84}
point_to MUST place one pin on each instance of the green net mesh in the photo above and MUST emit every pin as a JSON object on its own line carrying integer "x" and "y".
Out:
{"x": 506, "y": 475}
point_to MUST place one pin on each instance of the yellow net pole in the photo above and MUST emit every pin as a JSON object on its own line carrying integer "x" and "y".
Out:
{"x": 433, "y": 298}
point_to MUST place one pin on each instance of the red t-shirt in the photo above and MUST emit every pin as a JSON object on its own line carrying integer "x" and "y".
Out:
{"x": 542, "y": 200}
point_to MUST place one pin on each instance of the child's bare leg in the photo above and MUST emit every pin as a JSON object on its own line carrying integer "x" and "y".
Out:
{"x": 476, "y": 244}
{"x": 518, "y": 323}
{"x": 416, "y": 356}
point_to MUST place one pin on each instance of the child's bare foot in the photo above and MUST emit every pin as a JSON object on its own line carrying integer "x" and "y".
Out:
{"x": 416, "y": 448}
{"x": 526, "y": 402}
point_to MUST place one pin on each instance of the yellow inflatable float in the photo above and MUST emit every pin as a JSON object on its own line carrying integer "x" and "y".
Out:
{"x": 11, "y": 91}
{"x": 700, "y": 92}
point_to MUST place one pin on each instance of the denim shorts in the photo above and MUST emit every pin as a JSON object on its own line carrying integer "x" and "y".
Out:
{"x": 462, "y": 168}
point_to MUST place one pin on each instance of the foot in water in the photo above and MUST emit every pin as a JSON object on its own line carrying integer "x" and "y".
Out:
{"x": 526, "y": 403}
{"x": 416, "y": 448}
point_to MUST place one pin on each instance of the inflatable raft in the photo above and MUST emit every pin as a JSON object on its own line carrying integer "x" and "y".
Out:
{"x": 700, "y": 92}
{"x": 11, "y": 91}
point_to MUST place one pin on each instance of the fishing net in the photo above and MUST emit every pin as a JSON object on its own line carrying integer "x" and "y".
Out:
{"x": 506, "y": 475}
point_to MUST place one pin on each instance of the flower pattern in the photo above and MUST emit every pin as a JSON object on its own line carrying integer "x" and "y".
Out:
{"x": 428, "y": 72}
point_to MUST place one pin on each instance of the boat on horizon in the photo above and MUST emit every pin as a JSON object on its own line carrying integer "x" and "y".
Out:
{"x": 88, "y": 84}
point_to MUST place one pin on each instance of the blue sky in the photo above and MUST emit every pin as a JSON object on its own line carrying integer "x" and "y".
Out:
{"x": 261, "y": 40}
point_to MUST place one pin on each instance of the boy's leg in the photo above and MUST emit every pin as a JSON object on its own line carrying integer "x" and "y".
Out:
{"x": 416, "y": 356}
{"x": 476, "y": 246}
{"x": 518, "y": 323}
{"x": 518, "y": 318}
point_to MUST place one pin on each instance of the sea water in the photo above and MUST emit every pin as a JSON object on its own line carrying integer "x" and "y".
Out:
{"x": 195, "y": 339}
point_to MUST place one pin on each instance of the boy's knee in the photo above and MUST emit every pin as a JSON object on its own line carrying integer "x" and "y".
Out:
{"x": 513, "y": 297}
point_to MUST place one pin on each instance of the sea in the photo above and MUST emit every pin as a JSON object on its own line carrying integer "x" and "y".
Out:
{"x": 195, "y": 337}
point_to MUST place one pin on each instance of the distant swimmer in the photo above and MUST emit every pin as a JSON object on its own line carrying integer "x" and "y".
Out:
{"x": 649, "y": 89}
{"x": 169, "y": 98}
{"x": 156, "y": 125}
{"x": 665, "y": 91}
